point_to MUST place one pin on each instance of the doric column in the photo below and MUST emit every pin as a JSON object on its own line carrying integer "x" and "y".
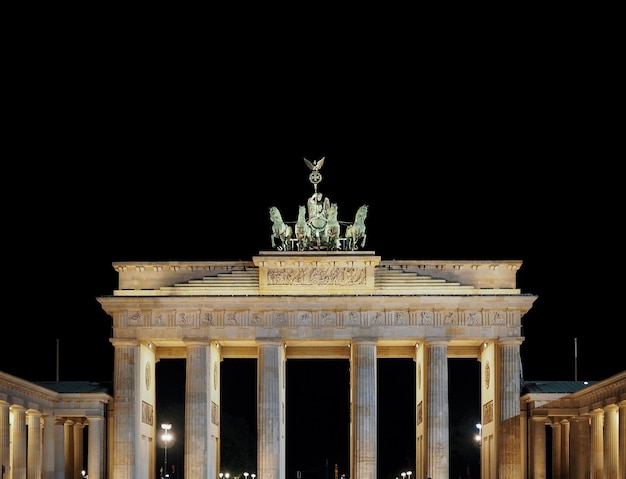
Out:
{"x": 197, "y": 410}
{"x": 4, "y": 436}
{"x": 79, "y": 429}
{"x": 271, "y": 410}
{"x": 437, "y": 410}
{"x": 622, "y": 440}
{"x": 538, "y": 458}
{"x": 580, "y": 440}
{"x": 597, "y": 445}
{"x": 47, "y": 463}
{"x": 363, "y": 358}
{"x": 565, "y": 449}
{"x": 18, "y": 441}
{"x": 59, "y": 448}
{"x": 96, "y": 451}
{"x": 125, "y": 386}
{"x": 557, "y": 444}
{"x": 68, "y": 434}
{"x": 33, "y": 419}
{"x": 611, "y": 442}
{"x": 509, "y": 445}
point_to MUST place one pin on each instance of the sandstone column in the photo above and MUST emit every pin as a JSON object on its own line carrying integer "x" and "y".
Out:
{"x": 437, "y": 411}
{"x": 4, "y": 436}
{"x": 68, "y": 448}
{"x": 125, "y": 390}
{"x": 622, "y": 440}
{"x": 565, "y": 449}
{"x": 19, "y": 442}
{"x": 557, "y": 445}
{"x": 579, "y": 456}
{"x": 33, "y": 418}
{"x": 271, "y": 410}
{"x": 49, "y": 449}
{"x": 538, "y": 450}
{"x": 59, "y": 448}
{"x": 364, "y": 376}
{"x": 79, "y": 429}
{"x": 96, "y": 450}
{"x": 597, "y": 445}
{"x": 611, "y": 442}
{"x": 509, "y": 377}
{"x": 197, "y": 411}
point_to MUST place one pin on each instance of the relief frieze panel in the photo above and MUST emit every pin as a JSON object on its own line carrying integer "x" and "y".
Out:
{"x": 498, "y": 317}
{"x": 324, "y": 318}
{"x": 280, "y": 318}
{"x": 147, "y": 413}
{"x": 426, "y": 318}
{"x": 304, "y": 318}
{"x": 487, "y": 413}
{"x": 328, "y": 318}
{"x": 401, "y": 318}
{"x": 159, "y": 318}
{"x": 473, "y": 318}
{"x": 326, "y": 276}
{"x": 377, "y": 318}
{"x": 136, "y": 318}
{"x": 450, "y": 318}
{"x": 184, "y": 318}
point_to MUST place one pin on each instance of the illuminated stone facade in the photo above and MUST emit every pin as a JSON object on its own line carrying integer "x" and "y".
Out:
{"x": 330, "y": 304}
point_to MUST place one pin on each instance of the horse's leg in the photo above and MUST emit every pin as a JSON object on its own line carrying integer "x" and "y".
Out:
{"x": 363, "y": 240}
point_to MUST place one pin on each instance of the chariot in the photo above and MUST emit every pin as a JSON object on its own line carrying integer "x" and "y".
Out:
{"x": 317, "y": 226}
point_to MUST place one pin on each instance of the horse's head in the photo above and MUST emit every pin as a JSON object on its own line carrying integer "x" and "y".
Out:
{"x": 362, "y": 212}
{"x": 334, "y": 209}
{"x": 301, "y": 212}
{"x": 274, "y": 213}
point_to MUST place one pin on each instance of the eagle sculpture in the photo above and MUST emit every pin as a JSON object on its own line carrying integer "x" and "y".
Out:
{"x": 316, "y": 165}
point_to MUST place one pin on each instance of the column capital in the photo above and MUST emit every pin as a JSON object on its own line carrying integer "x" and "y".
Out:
{"x": 598, "y": 411}
{"x": 513, "y": 341}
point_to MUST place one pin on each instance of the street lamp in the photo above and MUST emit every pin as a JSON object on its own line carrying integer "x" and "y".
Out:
{"x": 478, "y": 437}
{"x": 408, "y": 473}
{"x": 253, "y": 475}
{"x": 166, "y": 437}
{"x": 245, "y": 474}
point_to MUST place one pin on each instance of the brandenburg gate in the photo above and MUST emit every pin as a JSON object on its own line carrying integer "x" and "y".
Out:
{"x": 319, "y": 299}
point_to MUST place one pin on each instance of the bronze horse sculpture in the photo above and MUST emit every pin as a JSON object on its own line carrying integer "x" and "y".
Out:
{"x": 280, "y": 230}
{"x": 355, "y": 232}
{"x": 303, "y": 230}
{"x": 332, "y": 231}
